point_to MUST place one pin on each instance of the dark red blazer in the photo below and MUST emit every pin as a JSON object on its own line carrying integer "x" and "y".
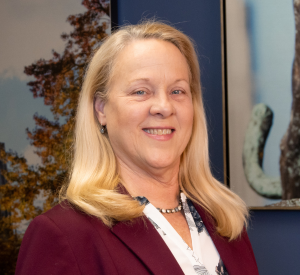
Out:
{"x": 66, "y": 241}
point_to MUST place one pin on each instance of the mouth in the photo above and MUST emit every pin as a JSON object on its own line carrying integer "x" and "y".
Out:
{"x": 159, "y": 131}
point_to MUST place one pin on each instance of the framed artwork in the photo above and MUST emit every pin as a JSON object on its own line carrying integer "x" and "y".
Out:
{"x": 44, "y": 50}
{"x": 262, "y": 101}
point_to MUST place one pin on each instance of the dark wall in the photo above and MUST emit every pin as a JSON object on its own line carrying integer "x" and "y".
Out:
{"x": 275, "y": 235}
{"x": 201, "y": 21}
{"x": 275, "y": 238}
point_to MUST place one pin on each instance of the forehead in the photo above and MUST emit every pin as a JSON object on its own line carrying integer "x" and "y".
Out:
{"x": 141, "y": 58}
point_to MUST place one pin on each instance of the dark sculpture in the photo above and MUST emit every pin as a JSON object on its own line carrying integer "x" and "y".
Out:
{"x": 290, "y": 143}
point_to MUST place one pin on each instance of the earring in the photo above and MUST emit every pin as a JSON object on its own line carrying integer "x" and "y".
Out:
{"x": 102, "y": 130}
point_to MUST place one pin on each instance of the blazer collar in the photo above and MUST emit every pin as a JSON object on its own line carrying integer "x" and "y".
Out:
{"x": 146, "y": 243}
{"x": 142, "y": 238}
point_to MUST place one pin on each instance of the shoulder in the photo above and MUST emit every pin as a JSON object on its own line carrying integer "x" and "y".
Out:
{"x": 50, "y": 244}
{"x": 64, "y": 210}
{"x": 65, "y": 225}
{"x": 65, "y": 222}
{"x": 45, "y": 247}
{"x": 65, "y": 213}
{"x": 70, "y": 220}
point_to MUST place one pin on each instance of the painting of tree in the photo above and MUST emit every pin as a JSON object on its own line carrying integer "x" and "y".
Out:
{"x": 57, "y": 81}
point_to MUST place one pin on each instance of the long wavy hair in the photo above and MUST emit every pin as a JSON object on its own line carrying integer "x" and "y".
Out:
{"x": 94, "y": 177}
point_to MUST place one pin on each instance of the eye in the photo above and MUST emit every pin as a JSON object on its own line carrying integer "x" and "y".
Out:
{"x": 140, "y": 92}
{"x": 177, "y": 92}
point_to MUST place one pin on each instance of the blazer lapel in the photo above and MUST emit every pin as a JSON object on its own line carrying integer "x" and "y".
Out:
{"x": 236, "y": 255}
{"x": 143, "y": 240}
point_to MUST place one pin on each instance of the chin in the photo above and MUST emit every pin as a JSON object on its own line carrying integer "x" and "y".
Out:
{"x": 160, "y": 162}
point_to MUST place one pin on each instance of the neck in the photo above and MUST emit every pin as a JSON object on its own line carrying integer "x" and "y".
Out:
{"x": 159, "y": 186}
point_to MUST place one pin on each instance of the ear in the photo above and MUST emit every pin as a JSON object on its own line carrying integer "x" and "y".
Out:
{"x": 99, "y": 108}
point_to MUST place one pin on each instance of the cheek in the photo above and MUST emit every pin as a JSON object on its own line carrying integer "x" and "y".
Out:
{"x": 125, "y": 116}
{"x": 187, "y": 117}
{"x": 187, "y": 122}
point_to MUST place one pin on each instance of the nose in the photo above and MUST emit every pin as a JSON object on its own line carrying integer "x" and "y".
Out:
{"x": 162, "y": 105}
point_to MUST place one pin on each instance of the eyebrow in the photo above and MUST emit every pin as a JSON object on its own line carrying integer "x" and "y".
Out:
{"x": 147, "y": 80}
{"x": 139, "y": 79}
{"x": 181, "y": 79}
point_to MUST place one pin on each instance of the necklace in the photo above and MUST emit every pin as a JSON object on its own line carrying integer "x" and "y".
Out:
{"x": 170, "y": 211}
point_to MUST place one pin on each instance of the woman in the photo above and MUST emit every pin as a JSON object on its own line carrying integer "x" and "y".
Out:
{"x": 141, "y": 197}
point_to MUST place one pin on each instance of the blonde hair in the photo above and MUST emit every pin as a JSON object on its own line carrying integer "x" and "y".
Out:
{"x": 94, "y": 176}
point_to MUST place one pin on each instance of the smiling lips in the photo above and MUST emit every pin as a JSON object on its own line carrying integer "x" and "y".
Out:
{"x": 159, "y": 132}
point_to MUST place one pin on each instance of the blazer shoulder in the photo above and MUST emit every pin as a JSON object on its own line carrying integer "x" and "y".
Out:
{"x": 69, "y": 218}
{"x": 45, "y": 250}
{"x": 65, "y": 240}
{"x": 79, "y": 228}
{"x": 63, "y": 210}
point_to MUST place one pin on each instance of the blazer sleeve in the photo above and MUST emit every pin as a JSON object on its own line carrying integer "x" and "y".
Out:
{"x": 45, "y": 250}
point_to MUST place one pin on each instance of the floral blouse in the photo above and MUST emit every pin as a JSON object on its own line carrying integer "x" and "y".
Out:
{"x": 204, "y": 258}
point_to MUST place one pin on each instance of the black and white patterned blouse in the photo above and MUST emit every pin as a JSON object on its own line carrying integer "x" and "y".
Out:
{"x": 204, "y": 258}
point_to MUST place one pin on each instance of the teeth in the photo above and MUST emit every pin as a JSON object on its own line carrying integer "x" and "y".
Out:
{"x": 159, "y": 132}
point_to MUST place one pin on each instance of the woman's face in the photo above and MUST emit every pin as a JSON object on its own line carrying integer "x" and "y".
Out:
{"x": 149, "y": 113}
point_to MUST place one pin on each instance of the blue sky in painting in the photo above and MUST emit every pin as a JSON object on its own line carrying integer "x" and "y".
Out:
{"x": 272, "y": 35}
{"x": 17, "y": 107}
